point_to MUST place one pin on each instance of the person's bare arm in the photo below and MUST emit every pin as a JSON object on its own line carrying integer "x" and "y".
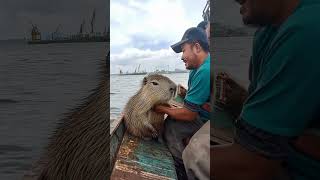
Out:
{"x": 235, "y": 162}
{"x": 182, "y": 114}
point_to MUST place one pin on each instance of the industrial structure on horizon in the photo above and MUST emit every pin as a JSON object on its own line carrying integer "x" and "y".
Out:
{"x": 82, "y": 36}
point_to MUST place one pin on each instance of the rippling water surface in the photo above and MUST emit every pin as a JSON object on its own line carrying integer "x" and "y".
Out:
{"x": 38, "y": 83}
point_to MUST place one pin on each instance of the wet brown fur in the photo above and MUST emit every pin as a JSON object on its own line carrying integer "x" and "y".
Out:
{"x": 79, "y": 147}
{"x": 138, "y": 113}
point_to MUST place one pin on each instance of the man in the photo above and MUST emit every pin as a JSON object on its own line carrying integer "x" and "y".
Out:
{"x": 183, "y": 122}
{"x": 196, "y": 155}
{"x": 205, "y": 26}
{"x": 277, "y": 132}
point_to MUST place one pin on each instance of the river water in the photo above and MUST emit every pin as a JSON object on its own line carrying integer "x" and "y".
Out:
{"x": 39, "y": 83}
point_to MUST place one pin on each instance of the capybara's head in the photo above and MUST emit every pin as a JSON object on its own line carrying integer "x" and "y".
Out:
{"x": 158, "y": 87}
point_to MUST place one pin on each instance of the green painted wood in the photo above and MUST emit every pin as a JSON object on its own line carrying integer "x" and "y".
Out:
{"x": 140, "y": 159}
{"x": 117, "y": 131}
{"x": 154, "y": 157}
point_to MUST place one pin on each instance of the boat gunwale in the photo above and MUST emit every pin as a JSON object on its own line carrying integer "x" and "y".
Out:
{"x": 117, "y": 122}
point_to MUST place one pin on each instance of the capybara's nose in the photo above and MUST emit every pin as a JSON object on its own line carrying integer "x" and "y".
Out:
{"x": 173, "y": 89}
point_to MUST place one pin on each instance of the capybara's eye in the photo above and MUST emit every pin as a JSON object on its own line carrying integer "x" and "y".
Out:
{"x": 155, "y": 83}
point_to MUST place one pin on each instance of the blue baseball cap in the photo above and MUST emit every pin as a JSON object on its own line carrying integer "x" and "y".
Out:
{"x": 191, "y": 34}
{"x": 203, "y": 25}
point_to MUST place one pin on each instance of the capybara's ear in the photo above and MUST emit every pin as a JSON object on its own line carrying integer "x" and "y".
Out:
{"x": 144, "y": 82}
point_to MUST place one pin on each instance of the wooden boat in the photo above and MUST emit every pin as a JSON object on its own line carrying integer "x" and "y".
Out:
{"x": 134, "y": 158}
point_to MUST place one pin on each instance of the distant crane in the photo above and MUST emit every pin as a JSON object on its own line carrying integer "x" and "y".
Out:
{"x": 35, "y": 33}
{"x": 55, "y": 34}
{"x": 58, "y": 28}
{"x": 139, "y": 68}
{"x": 84, "y": 34}
{"x": 82, "y": 27}
{"x": 93, "y": 19}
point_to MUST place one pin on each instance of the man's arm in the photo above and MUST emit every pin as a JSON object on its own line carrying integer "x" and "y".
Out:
{"x": 182, "y": 114}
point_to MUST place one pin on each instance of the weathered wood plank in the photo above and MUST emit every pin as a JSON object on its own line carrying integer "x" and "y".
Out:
{"x": 117, "y": 130}
{"x": 140, "y": 159}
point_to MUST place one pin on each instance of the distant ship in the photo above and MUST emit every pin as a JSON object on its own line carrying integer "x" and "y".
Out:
{"x": 136, "y": 72}
{"x": 171, "y": 72}
{"x": 58, "y": 37}
{"x": 167, "y": 71}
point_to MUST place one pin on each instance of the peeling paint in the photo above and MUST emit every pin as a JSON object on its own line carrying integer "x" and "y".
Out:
{"x": 140, "y": 159}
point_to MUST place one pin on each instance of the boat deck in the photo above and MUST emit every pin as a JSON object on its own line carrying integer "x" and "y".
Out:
{"x": 140, "y": 159}
{"x": 135, "y": 158}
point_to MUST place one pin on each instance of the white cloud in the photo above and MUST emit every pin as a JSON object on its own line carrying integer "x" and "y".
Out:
{"x": 158, "y": 23}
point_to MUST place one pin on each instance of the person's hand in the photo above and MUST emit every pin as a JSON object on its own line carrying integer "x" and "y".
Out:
{"x": 161, "y": 108}
{"x": 230, "y": 94}
{"x": 182, "y": 91}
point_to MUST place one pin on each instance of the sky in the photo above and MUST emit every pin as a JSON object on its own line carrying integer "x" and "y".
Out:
{"x": 16, "y": 15}
{"x": 142, "y": 31}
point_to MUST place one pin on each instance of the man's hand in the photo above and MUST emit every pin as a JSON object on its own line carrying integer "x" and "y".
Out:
{"x": 177, "y": 113}
{"x": 231, "y": 95}
{"x": 162, "y": 108}
{"x": 182, "y": 91}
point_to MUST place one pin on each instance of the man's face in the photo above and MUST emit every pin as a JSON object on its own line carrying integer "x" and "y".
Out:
{"x": 259, "y": 12}
{"x": 189, "y": 56}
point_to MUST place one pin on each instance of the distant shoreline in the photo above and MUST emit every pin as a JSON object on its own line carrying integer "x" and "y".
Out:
{"x": 12, "y": 39}
{"x": 149, "y": 72}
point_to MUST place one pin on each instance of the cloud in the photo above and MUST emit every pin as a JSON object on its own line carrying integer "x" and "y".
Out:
{"x": 142, "y": 31}
{"x": 163, "y": 20}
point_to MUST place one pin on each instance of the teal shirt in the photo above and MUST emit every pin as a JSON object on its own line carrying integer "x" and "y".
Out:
{"x": 284, "y": 92}
{"x": 199, "y": 86}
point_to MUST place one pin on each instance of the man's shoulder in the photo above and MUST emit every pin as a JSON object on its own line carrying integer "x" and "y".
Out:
{"x": 298, "y": 35}
{"x": 203, "y": 73}
{"x": 205, "y": 67}
{"x": 300, "y": 23}
{"x": 303, "y": 20}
